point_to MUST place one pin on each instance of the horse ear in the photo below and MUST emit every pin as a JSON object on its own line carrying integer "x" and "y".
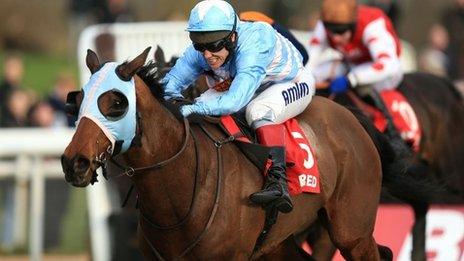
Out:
{"x": 92, "y": 61}
{"x": 127, "y": 70}
{"x": 159, "y": 56}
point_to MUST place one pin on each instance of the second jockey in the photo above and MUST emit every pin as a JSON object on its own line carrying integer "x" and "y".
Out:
{"x": 370, "y": 48}
{"x": 251, "y": 68}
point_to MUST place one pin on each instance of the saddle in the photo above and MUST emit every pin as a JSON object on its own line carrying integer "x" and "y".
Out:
{"x": 403, "y": 115}
{"x": 302, "y": 169}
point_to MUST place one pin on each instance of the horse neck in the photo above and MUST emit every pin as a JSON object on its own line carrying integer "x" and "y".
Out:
{"x": 166, "y": 190}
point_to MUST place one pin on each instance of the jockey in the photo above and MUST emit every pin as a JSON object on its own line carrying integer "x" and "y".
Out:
{"x": 369, "y": 45}
{"x": 251, "y": 68}
{"x": 254, "y": 16}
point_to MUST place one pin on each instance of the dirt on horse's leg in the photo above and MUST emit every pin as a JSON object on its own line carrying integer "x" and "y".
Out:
{"x": 418, "y": 232}
{"x": 287, "y": 250}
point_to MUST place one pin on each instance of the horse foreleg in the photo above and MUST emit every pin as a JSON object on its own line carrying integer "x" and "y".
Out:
{"x": 418, "y": 232}
{"x": 287, "y": 250}
{"x": 321, "y": 245}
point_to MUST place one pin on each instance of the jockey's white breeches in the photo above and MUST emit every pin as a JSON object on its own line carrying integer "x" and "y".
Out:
{"x": 278, "y": 102}
{"x": 282, "y": 101}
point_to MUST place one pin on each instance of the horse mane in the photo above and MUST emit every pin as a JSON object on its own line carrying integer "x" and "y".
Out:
{"x": 152, "y": 75}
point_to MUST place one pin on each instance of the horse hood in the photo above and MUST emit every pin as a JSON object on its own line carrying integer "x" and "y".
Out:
{"x": 119, "y": 131}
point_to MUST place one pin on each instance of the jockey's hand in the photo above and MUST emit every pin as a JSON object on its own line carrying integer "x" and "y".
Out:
{"x": 186, "y": 110}
{"x": 339, "y": 85}
{"x": 173, "y": 96}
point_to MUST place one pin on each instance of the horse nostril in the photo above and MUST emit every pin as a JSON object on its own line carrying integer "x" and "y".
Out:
{"x": 81, "y": 164}
{"x": 66, "y": 164}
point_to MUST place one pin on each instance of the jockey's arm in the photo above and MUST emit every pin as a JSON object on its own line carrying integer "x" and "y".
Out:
{"x": 186, "y": 71}
{"x": 318, "y": 44}
{"x": 240, "y": 93}
{"x": 383, "y": 50}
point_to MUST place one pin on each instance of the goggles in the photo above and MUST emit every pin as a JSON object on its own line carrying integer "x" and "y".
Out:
{"x": 217, "y": 45}
{"x": 336, "y": 28}
{"x": 212, "y": 47}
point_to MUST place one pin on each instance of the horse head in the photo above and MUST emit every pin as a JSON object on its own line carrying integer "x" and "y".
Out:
{"x": 106, "y": 126}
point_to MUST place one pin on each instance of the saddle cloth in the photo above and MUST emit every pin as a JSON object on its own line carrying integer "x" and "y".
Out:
{"x": 302, "y": 169}
{"x": 404, "y": 117}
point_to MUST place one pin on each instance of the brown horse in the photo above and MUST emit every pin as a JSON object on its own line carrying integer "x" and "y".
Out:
{"x": 193, "y": 189}
{"x": 440, "y": 112}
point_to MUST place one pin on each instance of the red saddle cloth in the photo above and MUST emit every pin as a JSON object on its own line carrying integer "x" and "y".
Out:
{"x": 302, "y": 169}
{"x": 404, "y": 117}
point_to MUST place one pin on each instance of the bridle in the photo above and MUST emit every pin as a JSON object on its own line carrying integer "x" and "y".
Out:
{"x": 131, "y": 171}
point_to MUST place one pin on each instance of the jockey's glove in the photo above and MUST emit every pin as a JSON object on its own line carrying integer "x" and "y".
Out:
{"x": 186, "y": 110}
{"x": 173, "y": 96}
{"x": 339, "y": 85}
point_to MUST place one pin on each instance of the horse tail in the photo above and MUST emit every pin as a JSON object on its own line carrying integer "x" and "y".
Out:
{"x": 395, "y": 176}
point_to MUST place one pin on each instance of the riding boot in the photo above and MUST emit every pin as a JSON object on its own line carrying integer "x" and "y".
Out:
{"x": 275, "y": 192}
{"x": 391, "y": 132}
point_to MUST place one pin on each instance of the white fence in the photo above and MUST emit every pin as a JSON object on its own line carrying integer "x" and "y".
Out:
{"x": 31, "y": 155}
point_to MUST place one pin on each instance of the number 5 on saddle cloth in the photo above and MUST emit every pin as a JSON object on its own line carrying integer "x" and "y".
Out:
{"x": 302, "y": 170}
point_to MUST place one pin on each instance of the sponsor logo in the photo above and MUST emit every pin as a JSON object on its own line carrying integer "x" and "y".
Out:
{"x": 307, "y": 180}
{"x": 444, "y": 233}
{"x": 295, "y": 92}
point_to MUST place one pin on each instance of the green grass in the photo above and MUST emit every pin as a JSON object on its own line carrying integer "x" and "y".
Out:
{"x": 42, "y": 70}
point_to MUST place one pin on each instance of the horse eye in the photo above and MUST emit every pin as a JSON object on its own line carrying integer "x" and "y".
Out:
{"x": 113, "y": 105}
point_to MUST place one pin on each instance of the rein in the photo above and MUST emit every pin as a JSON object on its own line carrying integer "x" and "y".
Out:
{"x": 218, "y": 144}
{"x": 130, "y": 171}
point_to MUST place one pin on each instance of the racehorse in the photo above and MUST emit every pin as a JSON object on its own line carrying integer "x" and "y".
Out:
{"x": 193, "y": 186}
{"x": 440, "y": 113}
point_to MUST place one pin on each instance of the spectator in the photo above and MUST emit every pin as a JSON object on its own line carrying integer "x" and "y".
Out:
{"x": 17, "y": 106}
{"x": 433, "y": 58}
{"x": 453, "y": 21}
{"x": 42, "y": 115}
{"x": 57, "y": 99}
{"x": 13, "y": 71}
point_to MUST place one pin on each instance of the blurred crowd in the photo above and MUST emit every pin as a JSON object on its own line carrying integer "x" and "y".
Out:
{"x": 22, "y": 107}
{"x": 444, "y": 53}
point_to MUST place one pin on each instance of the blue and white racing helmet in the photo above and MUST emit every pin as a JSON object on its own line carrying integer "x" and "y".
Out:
{"x": 212, "y": 15}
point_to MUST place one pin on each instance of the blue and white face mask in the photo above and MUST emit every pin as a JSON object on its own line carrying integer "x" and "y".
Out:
{"x": 121, "y": 129}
